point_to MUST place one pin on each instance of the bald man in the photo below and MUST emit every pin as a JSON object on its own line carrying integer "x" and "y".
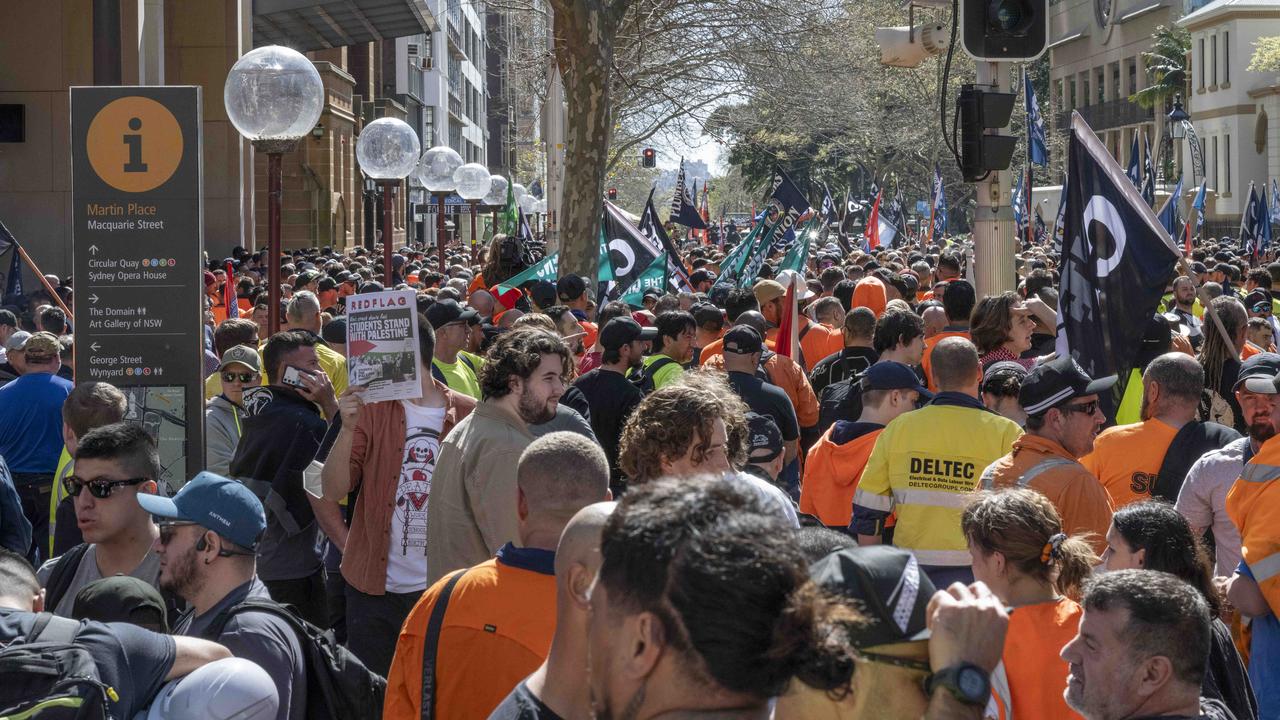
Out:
{"x": 501, "y": 614}
{"x": 558, "y": 688}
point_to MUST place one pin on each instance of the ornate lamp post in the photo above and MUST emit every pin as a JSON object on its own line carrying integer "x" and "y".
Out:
{"x": 387, "y": 151}
{"x": 472, "y": 183}
{"x": 528, "y": 203}
{"x": 497, "y": 197}
{"x": 540, "y": 213}
{"x": 436, "y": 170}
{"x": 273, "y": 97}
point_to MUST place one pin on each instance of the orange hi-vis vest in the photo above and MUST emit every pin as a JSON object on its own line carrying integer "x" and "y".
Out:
{"x": 1253, "y": 504}
{"x": 831, "y": 475}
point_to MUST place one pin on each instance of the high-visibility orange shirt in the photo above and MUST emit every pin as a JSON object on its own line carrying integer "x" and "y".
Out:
{"x": 870, "y": 293}
{"x": 1253, "y": 504}
{"x": 1035, "y": 672}
{"x": 1250, "y": 350}
{"x": 497, "y": 629}
{"x": 817, "y": 341}
{"x": 831, "y": 475}
{"x": 929, "y": 344}
{"x": 1126, "y": 459}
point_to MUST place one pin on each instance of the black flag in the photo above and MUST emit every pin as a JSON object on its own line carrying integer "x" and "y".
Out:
{"x": 630, "y": 251}
{"x": 651, "y": 228}
{"x": 1116, "y": 259}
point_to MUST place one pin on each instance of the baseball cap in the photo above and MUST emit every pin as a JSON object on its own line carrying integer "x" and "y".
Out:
{"x": 244, "y": 355}
{"x": 653, "y": 292}
{"x": 8, "y": 318}
{"x": 768, "y": 290}
{"x": 42, "y": 345}
{"x": 1258, "y": 373}
{"x": 743, "y": 340}
{"x": 700, "y": 276}
{"x": 570, "y": 287}
{"x": 543, "y": 293}
{"x": 622, "y": 330}
{"x": 893, "y": 375}
{"x": 122, "y": 598}
{"x": 335, "y": 331}
{"x": 1258, "y": 300}
{"x": 220, "y": 504}
{"x": 444, "y": 312}
{"x": 1198, "y": 267}
{"x": 888, "y": 585}
{"x": 17, "y": 341}
{"x": 764, "y": 439}
{"x": 1056, "y": 381}
{"x": 1001, "y": 370}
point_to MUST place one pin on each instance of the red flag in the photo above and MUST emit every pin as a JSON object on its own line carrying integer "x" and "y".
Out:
{"x": 229, "y": 292}
{"x": 1187, "y": 242}
{"x": 785, "y": 341}
{"x": 873, "y": 224}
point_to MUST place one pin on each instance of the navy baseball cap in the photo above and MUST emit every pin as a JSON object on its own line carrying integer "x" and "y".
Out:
{"x": 893, "y": 375}
{"x": 220, "y": 504}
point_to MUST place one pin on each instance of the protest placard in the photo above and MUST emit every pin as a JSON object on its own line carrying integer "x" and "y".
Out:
{"x": 382, "y": 345}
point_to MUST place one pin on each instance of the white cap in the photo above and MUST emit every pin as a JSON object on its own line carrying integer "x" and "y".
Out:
{"x": 788, "y": 278}
{"x": 227, "y": 689}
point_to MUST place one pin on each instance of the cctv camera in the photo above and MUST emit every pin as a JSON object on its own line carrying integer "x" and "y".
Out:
{"x": 901, "y": 47}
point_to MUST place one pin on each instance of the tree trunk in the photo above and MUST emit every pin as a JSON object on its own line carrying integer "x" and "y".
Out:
{"x": 584, "y": 35}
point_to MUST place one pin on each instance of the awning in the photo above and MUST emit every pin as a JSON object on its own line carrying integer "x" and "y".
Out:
{"x": 321, "y": 24}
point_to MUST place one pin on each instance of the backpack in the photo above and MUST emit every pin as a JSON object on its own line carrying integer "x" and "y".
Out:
{"x": 644, "y": 379}
{"x": 47, "y": 677}
{"x": 338, "y": 683}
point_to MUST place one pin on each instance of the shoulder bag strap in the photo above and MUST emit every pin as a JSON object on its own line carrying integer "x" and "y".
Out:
{"x": 431, "y": 645}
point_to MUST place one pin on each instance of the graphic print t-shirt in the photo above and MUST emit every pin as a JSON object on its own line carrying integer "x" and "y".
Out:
{"x": 407, "y": 553}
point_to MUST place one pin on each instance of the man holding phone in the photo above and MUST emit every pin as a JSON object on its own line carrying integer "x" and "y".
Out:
{"x": 282, "y": 430}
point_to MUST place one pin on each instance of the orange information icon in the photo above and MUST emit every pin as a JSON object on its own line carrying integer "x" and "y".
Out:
{"x": 134, "y": 144}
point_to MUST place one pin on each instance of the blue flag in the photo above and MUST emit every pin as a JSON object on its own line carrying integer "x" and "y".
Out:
{"x": 786, "y": 205}
{"x": 1149, "y": 176}
{"x": 1169, "y": 216}
{"x": 1135, "y": 166}
{"x": 1037, "y": 145}
{"x": 1019, "y": 204}
{"x": 1198, "y": 205}
{"x": 1263, "y": 223}
{"x": 13, "y": 282}
{"x": 1249, "y": 231}
{"x": 1275, "y": 201}
{"x": 939, "y": 228}
{"x": 683, "y": 211}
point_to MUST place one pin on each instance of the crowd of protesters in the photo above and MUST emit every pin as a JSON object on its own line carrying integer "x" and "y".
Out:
{"x": 901, "y": 504}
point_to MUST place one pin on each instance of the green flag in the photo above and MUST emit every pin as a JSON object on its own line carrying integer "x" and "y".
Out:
{"x": 605, "y": 272}
{"x": 511, "y": 214}
{"x": 652, "y": 277}
{"x": 545, "y": 269}
{"x": 798, "y": 256}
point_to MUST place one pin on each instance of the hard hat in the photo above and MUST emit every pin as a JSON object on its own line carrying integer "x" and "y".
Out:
{"x": 227, "y": 689}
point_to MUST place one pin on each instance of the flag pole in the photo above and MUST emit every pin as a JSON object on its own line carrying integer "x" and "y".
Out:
{"x": 4, "y": 232}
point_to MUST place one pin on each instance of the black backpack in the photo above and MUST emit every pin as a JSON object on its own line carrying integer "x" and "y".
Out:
{"x": 644, "y": 379}
{"x": 338, "y": 683}
{"x": 47, "y": 677}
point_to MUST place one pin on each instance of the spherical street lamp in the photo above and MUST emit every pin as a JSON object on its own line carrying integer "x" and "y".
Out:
{"x": 518, "y": 191}
{"x": 497, "y": 197}
{"x": 387, "y": 151}
{"x": 436, "y": 172}
{"x": 273, "y": 97}
{"x": 472, "y": 182}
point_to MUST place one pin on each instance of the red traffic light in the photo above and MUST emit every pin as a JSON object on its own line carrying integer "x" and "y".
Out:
{"x": 649, "y": 158}
{"x": 613, "y": 193}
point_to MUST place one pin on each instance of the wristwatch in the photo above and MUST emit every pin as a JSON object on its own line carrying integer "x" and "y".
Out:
{"x": 969, "y": 683}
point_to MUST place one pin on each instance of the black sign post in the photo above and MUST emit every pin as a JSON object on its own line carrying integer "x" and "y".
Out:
{"x": 137, "y": 258}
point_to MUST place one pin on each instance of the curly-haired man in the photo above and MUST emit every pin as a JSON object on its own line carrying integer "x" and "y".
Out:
{"x": 472, "y": 511}
{"x": 694, "y": 426}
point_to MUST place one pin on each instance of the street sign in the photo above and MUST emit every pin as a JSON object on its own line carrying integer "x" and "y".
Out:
{"x": 137, "y": 256}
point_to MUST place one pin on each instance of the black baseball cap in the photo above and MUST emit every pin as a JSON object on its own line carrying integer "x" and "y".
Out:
{"x": 893, "y": 375}
{"x": 1057, "y": 381}
{"x": 121, "y": 598}
{"x": 335, "y": 331}
{"x": 446, "y": 311}
{"x": 622, "y": 330}
{"x": 700, "y": 276}
{"x": 1258, "y": 374}
{"x": 743, "y": 340}
{"x": 1258, "y": 300}
{"x": 570, "y": 287}
{"x": 543, "y": 293}
{"x": 764, "y": 439}
{"x": 889, "y": 586}
{"x": 1001, "y": 370}
{"x": 653, "y": 292}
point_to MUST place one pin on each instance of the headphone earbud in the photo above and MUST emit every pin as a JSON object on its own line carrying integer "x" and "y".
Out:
{"x": 201, "y": 544}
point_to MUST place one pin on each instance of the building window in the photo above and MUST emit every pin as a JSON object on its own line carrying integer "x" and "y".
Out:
{"x": 1226, "y": 160}
{"x": 1101, "y": 84}
{"x": 1133, "y": 75}
{"x": 1213, "y": 51}
{"x": 1226, "y": 58}
{"x": 1217, "y": 176}
{"x": 1202, "y": 62}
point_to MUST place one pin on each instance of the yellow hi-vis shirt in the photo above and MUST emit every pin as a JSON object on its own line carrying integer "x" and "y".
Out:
{"x": 924, "y": 466}
{"x": 65, "y": 468}
{"x": 1253, "y": 504}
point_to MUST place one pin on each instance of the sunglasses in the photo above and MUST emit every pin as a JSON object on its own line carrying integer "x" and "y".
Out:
{"x": 242, "y": 377}
{"x": 1088, "y": 408}
{"x": 100, "y": 489}
{"x": 167, "y": 529}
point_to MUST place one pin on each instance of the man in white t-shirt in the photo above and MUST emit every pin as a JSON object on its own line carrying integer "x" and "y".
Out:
{"x": 388, "y": 450}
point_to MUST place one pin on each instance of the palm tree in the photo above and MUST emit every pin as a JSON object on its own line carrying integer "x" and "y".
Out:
{"x": 1166, "y": 64}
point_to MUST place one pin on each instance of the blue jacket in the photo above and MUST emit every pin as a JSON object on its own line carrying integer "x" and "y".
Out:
{"x": 15, "y": 531}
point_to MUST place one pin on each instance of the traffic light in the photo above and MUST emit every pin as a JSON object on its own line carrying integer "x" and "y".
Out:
{"x": 649, "y": 158}
{"x": 981, "y": 110}
{"x": 613, "y": 193}
{"x": 1004, "y": 29}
